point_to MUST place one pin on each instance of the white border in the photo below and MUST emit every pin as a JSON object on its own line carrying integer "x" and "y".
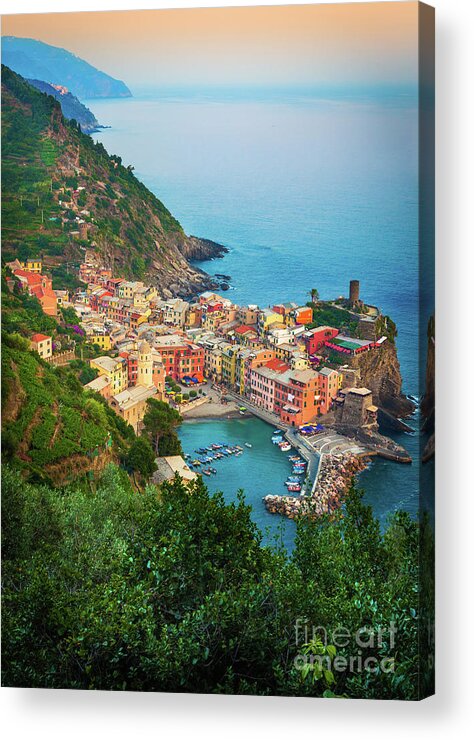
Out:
{"x": 52, "y": 714}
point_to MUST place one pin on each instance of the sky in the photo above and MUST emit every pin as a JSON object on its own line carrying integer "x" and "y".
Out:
{"x": 329, "y": 45}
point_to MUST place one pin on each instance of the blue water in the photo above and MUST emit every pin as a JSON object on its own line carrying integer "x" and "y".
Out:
{"x": 259, "y": 470}
{"x": 307, "y": 191}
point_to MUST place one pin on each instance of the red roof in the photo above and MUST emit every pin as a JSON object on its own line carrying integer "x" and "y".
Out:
{"x": 244, "y": 329}
{"x": 278, "y": 365}
{"x": 39, "y": 337}
{"x": 31, "y": 277}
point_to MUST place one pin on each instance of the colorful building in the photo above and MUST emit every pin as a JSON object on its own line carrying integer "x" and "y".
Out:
{"x": 330, "y": 382}
{"x": 229, "y": 358}
{"x": 115, "y": 369}
{"x": 181, "y": 357}
{"x": 303, "y": 315}
{"x": 32, "y": 264}
{"x": 104, "y": 341}
{"x": 316, "y": 338}
{"x": 42, "y": 344}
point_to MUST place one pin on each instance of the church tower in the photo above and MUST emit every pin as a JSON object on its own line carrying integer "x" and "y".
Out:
{"x": 145, "y": 365}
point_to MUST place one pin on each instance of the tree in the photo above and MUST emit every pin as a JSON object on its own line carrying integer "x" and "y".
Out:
{"x": 160, "y": 423}
{"x": 314, "y": 293}
{"x": 174, "y": 591}
{"x": 140, "y": 458}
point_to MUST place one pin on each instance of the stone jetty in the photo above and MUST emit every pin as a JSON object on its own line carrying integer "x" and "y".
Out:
{"x": 334, "y": 477}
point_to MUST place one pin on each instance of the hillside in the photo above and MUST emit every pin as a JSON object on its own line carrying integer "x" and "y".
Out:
{"x": 55, "y": 176}
{"x": 71, "y": 107}
{"x": 34, "y": 59}
{"x": 52, "y": 430}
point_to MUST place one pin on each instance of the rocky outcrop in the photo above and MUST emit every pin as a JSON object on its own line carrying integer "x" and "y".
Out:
{"x": 198, "y": 249}
{"x": 380, "y": 371}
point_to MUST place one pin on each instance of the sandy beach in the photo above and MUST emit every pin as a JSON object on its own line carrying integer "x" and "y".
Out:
{"x": 214, "y": 410}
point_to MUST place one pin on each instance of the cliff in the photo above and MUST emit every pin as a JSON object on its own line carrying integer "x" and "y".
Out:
{"x": 380, "y": 371}
{"x": 55, "y": 176}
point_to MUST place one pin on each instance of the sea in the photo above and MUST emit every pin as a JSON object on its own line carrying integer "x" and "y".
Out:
{"x": 308, "y": 189}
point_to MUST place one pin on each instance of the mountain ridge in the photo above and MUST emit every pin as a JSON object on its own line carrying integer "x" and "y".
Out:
{"x": 34, "y": 59}
{"x": 54, "y": 176}
{"x": 71, "y": 106}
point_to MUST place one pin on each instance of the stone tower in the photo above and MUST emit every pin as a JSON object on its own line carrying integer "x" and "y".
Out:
{"x": 354, "y": 291}
{"x": 145, "y": 365}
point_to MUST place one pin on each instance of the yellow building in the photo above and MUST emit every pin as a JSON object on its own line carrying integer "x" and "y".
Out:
{"x": 104, "y": 341}
{"x": 32, "y": 264}
{"x": 229, "y": 356}
{"x": 115, "y": 368}
{"x": 267, "y": 319}
{"x": 212, "y": 320}
{"x": 128, "y": 288}
{"x": 131, "y": 404}
{"x": 213, "y": 363}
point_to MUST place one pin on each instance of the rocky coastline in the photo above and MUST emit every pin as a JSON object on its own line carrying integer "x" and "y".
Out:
{"x": 198, "y": 249}
{"x": 333, "y": 480}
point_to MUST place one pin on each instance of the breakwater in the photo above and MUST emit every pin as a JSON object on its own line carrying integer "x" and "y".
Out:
{"x": 334, "y": 476}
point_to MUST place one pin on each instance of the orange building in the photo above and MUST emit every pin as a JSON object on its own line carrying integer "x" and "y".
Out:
{"x": 303, "y": 315}
{"x": 296, "y": 396}
{"x": 181, "y": 358}
{"x": 41, "y": 287}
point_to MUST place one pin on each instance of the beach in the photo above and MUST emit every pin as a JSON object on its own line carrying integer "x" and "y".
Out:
{"x": 213, "y": 409}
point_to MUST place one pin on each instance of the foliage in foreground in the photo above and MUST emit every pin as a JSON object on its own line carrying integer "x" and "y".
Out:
{"x": 174, "y": 592}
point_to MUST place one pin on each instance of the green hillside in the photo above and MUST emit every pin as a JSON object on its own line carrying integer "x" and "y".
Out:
{"x": 52, "y": 430}
{"x": 53, "y": 175}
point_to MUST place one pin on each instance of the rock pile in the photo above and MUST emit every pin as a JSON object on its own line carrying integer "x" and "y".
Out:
{"x": 335, "y": 475}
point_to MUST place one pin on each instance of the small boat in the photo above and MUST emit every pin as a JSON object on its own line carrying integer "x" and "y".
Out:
{"x": 285, "y": 447}
{"x": 206, "y": 472}
{"x": 247, "y": 444}
{"x": 294, "y": 488}
{"x": 277, "y": 431}
{"x": 213, "y": 471}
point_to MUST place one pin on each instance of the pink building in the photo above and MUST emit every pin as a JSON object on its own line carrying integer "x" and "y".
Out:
{"x": 316, "y": 338}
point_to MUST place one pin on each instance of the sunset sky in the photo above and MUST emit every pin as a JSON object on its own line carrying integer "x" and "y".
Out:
{"x": 366, "y": 43}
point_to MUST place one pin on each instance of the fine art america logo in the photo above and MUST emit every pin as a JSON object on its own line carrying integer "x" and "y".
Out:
{"x": 319, "y": 649}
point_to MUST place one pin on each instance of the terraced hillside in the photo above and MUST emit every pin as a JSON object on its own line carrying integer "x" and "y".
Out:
{"x": 63, "y": 193}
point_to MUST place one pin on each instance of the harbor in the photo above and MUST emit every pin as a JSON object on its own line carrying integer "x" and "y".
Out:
{"x": 279, "y": 471}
